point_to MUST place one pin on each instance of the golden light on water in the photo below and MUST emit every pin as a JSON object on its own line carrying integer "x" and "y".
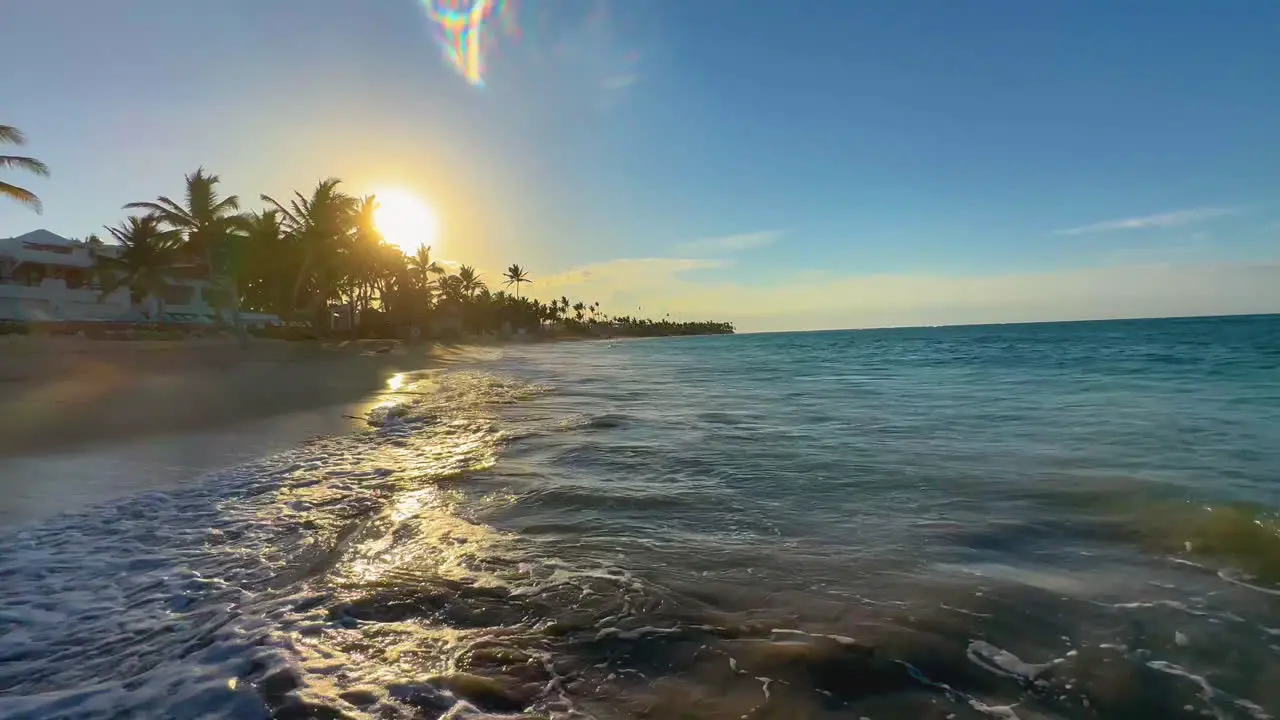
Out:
{"x": 405, "y": 220}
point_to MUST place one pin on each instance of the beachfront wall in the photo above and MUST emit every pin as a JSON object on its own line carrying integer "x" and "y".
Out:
{"x": 53, "y": 301}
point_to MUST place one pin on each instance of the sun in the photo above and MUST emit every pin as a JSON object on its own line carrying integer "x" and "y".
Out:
{"x": 405, "y": 221}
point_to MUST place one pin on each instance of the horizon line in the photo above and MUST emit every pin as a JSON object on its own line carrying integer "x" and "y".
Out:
{"x": 1210, "y": 316}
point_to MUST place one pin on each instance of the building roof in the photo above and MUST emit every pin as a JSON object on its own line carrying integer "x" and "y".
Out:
{"x": 43, "y": 237}
{"x": 49, "y": 248}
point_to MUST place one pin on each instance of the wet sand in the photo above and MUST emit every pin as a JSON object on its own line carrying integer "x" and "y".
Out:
{"x": 65, "y": 394}
{"x": 83, "y": 421}
{"x": 35, "y": 487}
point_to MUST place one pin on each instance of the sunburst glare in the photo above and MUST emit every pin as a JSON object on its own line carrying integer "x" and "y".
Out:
{"x": 406, "y": 221}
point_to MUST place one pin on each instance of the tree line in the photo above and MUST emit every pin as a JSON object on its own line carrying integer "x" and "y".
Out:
{"x": 299, "y": 257}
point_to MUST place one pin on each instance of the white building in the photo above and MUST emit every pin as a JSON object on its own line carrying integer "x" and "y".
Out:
{"x": 45, "y": 277}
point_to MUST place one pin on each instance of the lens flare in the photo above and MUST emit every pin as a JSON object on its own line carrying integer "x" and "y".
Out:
{"x": 465, "y": 29}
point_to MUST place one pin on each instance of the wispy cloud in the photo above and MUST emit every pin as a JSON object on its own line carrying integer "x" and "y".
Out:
{"x": 619, "y": 271}
{"x": 729, "y": 243}
{"x": 1176, "y": 218}
{"x": 591, "y": 48}
{"x": 620, "y": 82}
{"x": 613, "y": 283}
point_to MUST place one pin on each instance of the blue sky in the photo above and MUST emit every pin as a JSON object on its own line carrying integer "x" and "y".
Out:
{"x": 826, "y": 164}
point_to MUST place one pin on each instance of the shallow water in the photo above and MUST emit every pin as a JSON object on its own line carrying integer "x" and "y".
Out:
{"x": 1044, "y": 521}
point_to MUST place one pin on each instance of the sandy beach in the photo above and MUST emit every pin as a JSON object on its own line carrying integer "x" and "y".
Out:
{"x": 84, "y": 422}
{"x": 66, "y": 394}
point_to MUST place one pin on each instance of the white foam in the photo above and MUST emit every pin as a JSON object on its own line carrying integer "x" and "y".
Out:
{"x": 1003, "y": 712}
{"x": 1207, "y": 691}
{"x": 1003, "y": 662}
{"x": 182, "y": 599}
{"x": 634, "y": 634}
{"x": 841, "y": 639}
{"x": 1255, "y": 711}
{"x": 1237, "y": 578}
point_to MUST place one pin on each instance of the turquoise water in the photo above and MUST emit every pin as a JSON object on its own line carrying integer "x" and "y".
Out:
{"x": 1033, "y": 521}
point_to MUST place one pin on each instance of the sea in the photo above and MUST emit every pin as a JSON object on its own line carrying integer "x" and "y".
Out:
{"x": 1064, "y": 520}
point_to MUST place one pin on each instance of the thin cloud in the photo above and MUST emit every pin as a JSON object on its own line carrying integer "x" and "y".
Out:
{"x": 730, "y": 243}
{"x": 1176, "y": 218}
{"x": 620, "y": 82}
{"x": 618, "y": 271}
{"x": 591, "y": 49}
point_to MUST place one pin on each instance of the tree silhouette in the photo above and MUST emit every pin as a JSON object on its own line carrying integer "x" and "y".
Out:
{"x": 517, "y": 276}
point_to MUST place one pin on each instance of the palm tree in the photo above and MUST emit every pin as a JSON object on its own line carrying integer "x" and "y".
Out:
{"x": 516, "y": 275}
{"x": 450, "y": 288}
{"x": 97, "y": 275}
{"x": 423, "y": 267}
{"x": 469, "y": 281}
{"x": 143, "y": 262}
{"x": 208, "y": 225}
{"x": 10, "y": 135}
{"x": 378, "y": 275}
{"x": 394, "y": 282}
{"x": 268, "y": 263}
{"x": 320, "y": 225}
{"x": 205, "y": 221}
{"x": 364, "y": 256}
{"x": 366, "y": 221}
{"x": 578, "y": 310}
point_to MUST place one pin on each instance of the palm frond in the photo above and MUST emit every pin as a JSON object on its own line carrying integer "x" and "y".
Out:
{"x": 289, "y": 217}
{"x": 22, "y": 195}
{"x": 199, "y": 188}
{"x": 167, "y": 210}
{"x": 120, "y": 234}
{"x": 29, "y": 164}
{"x": 302, "y": 211}
{"x": 11, "y": 135}
{"x": 150, "y": 207}
{"x": 240, "y": 221}
{"x": 231, "y": 203}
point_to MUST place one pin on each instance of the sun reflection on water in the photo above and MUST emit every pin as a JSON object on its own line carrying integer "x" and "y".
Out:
{"x": 401, "y": 582}
{"x": 395, "y": 382}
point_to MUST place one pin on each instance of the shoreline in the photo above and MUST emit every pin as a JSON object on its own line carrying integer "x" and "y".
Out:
{"x": 70, "y": 479}
{"x": 62, "y": 395}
